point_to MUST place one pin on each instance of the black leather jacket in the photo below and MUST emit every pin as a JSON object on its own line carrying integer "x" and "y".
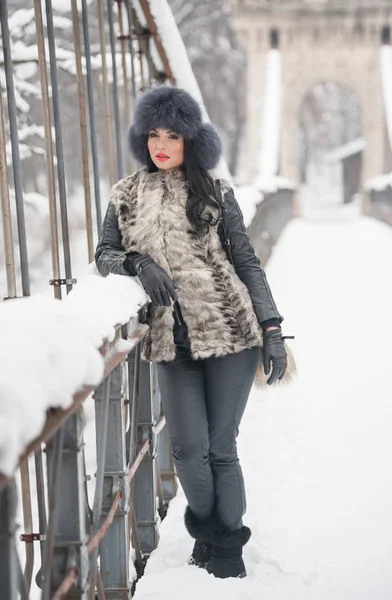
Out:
{"x": 110, "y": 257}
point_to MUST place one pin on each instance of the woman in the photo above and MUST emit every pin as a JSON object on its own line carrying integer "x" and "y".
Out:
{"x": 179, "y": 231}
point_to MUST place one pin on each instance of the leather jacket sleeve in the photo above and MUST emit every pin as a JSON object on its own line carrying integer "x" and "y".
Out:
{"x": 110, "y": 256}
{"x": 247, "y": 265}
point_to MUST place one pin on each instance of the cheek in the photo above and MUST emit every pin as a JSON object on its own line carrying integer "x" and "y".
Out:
{"x": 180, "y": 151}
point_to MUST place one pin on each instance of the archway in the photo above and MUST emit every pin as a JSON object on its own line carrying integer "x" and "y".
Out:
{"x": 331, "y": 144}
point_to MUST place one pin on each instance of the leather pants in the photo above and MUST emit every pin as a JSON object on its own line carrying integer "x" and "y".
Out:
{"x": 203, "y": 401}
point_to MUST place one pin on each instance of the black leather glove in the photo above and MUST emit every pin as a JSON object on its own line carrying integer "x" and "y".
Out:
{"x": 155, "y": 280}
{"x": 275, "y": 352}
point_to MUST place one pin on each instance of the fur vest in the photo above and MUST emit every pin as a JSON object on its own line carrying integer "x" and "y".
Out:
{"x": 214, "y": 302}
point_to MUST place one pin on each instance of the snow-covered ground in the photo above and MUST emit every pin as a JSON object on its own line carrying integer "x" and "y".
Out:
{"x": 316, "y": 455}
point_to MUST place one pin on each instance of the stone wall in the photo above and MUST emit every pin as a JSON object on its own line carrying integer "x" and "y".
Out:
{"x": 381, "y": 205}
{"x": 271, "y": 217}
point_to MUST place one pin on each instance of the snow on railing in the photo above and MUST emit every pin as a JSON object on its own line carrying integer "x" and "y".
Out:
{"x": 350, "y": 149}
{"x": 379, "y": 183}
{"x": 50, "y": 350}
{"x": 386, "y": 85}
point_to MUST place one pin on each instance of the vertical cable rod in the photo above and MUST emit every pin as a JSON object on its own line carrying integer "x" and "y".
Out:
{"x": 106, "y": 96}
{"x": 54, "y": 234}
{"x": 93, "y": 133}
{"x": 59, "y": 143}
{"x": 6, "y": 212}
{"x": 16, "y": 162}
{"x": 83, "y": 130}
{"x": 117, "y": 121}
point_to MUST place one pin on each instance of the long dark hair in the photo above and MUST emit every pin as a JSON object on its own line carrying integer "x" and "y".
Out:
{"x": 202, "y": 192}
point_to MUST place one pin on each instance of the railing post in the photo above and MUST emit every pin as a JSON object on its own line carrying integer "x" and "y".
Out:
{"x": 114, "y": 547}
{"x": 144, "y": 502}
{"x": 165, "y": 463}
{"x": 16, "y": 161}
{"x": 70, "y": 548}
{"x": 8, "y": 558}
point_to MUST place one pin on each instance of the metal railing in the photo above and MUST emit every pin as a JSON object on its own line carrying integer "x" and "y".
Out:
{"x": 135, "y": 474}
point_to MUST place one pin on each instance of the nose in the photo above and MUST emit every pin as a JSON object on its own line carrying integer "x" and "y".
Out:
{"x": 160, "y": 145}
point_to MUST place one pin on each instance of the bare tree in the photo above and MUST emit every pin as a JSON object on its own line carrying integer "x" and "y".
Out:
{"x": 219, "y": 66}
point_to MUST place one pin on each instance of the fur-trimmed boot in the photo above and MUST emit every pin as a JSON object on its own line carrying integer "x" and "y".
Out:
{"x": 199, "y": 530}
{"x": 226, "y": 552}
{"x": 201, "y": 554}
{"x": 217, "y": 548}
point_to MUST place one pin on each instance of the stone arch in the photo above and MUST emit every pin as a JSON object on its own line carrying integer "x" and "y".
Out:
{"x": 358, "y": 70}
{"x": 348, "y": 93}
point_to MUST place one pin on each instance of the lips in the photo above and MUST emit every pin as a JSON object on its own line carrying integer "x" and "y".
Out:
{"x": 162, "y": 157}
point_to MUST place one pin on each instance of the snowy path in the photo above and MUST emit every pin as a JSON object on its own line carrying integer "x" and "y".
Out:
{"x": 317, "y": 456}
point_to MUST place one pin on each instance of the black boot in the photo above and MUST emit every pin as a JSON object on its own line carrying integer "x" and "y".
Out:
{"x": 200, "y": 530}
{"x": 201, "y": 554}
{"x": 226, "y": 552}
{"x": 224, "y": 544}
{"x": 226, "y": 562}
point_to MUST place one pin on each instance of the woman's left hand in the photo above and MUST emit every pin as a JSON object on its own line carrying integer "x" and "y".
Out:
{"x": 274, "y": 352}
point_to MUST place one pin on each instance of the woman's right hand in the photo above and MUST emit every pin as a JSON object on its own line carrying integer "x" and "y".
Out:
{"x": 155, "y": 281}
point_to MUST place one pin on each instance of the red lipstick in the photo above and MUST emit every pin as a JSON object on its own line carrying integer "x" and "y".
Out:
{"x": 162, "y": 157}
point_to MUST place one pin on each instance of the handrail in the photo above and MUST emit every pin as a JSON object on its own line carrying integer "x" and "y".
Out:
{"x": 72, "y": 574}
{"x": 58, "y": 416}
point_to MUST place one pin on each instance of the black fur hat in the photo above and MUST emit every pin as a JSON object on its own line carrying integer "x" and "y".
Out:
{"x": 174, "y": 109}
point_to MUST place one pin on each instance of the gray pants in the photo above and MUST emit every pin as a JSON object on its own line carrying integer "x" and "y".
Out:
{"x": 203, "y": 402}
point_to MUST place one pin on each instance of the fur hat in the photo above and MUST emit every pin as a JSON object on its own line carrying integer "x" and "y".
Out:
{"x": 174, "y": 109}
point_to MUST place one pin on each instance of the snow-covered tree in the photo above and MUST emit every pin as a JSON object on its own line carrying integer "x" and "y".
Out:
{"x": 219, "y": 65}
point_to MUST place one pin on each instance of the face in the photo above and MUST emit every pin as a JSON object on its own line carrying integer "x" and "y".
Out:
{"x": 166, "y": 148}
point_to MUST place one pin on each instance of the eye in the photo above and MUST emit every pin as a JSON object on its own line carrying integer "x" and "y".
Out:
{"x": 152, "y": 134}
{"x": 174, "y": 136}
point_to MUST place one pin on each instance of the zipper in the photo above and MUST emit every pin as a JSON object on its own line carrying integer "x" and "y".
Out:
{"x": 175, "y": 306}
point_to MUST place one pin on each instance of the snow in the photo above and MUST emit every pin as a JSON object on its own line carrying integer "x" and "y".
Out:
{"x": 61, "y": 22}
{"x": 50, "y": 349}
{"x": 271, "y": 116}
{"x": 24, "y": 71}
{"x": 386, "y": 85}
{"x": 32, "y": 129}
{"x": 21, "y": 104}
{"x": 23, "y": 53}
{"x": 140, "y": 14}
{"x": 350, "y": 149}
{"x": 64, "y": 6}
{"x": 38, "y": 202}
{"x": 315, "y": 455}
{"x": 179, "y": 62}
{"x": 19, "y": 19}
{"x": 143, "y": 22}
{"x": 379, "y": 183}
{"x": 270, "y": 185}
{"x": 248, "y": 197}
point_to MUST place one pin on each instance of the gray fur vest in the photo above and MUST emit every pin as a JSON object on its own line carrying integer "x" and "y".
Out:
{"x": 215, "y": 304}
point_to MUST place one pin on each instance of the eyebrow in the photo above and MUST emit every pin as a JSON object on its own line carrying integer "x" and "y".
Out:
{"x": 168, "y": 131}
